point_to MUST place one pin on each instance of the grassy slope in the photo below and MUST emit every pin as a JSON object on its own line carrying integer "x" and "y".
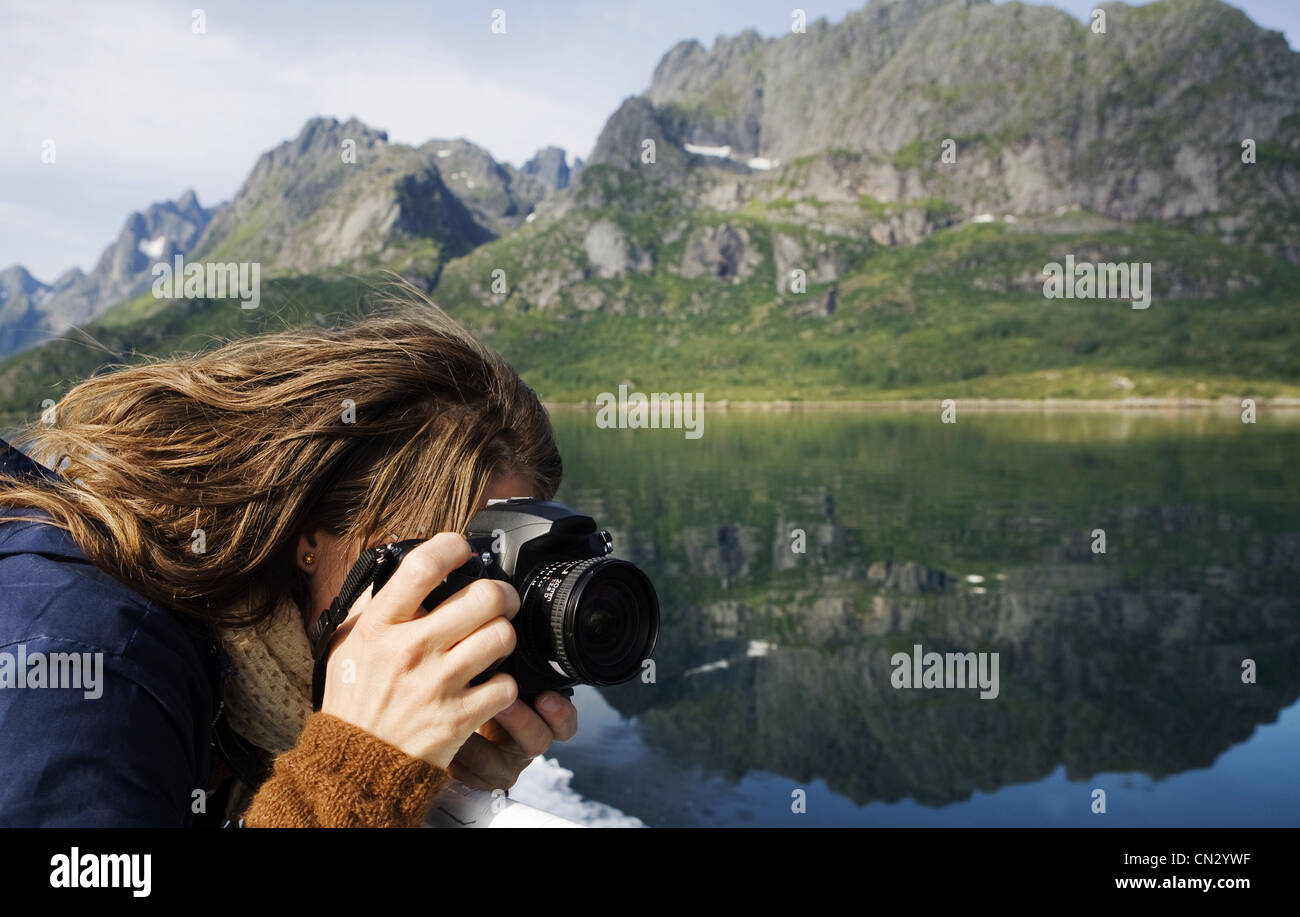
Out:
{"x": 943, "y": 318}
{"x": 923, "y": 321}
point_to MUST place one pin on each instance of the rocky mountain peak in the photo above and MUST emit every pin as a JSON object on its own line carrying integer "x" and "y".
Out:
{"x": 35, "y": 311}
{"x": 15, "y": 280}
{"x": 549, "y": 166}
{"x": 329, "y": 133}
{"x": 1144, "y": 122}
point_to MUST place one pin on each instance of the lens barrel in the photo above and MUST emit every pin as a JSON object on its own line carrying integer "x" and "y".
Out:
{"x": 602, "y": 618}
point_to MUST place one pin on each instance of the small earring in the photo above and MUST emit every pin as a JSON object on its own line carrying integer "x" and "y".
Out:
{"x": 309, "y": 559}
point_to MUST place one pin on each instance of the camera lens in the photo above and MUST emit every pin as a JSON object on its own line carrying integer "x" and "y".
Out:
{"x": 603, "y": 618}
{"x": 607, "y": 624}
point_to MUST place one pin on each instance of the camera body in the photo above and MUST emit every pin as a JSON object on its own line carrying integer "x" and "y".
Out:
{"x": 584, "y": 617}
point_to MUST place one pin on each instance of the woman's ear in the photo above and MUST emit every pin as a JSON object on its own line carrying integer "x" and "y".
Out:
{"x": 308, "y": 553}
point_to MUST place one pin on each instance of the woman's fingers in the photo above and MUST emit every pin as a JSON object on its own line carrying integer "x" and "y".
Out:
{"x": 467, "y": 611}
{"x": 519, "y": 730}
{"x": 482, "y": 702}
{"x": 479, "y": 763}
{"x": 421, "y": 571}
{"x": 494, "y": 640}
{"x": 559, "y": 713}
{"x": 409, "y": 684}
{"x": 497, "y": 754}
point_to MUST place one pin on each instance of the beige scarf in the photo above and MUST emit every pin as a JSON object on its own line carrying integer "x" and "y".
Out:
{"x": 269, "y": 701}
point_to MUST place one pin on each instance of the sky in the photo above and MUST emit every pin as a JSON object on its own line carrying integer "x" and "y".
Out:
{"x": 141, "y": 108}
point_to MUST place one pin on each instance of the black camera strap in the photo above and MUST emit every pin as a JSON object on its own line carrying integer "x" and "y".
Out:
{"x": 358, "y": 580}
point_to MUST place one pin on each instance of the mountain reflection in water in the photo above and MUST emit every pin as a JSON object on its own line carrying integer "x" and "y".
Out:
{"x": 971, "y": 537}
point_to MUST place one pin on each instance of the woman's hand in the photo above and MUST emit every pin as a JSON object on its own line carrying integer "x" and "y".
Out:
{"x": 494, "y": 756}
{"x": 403, "y": 675}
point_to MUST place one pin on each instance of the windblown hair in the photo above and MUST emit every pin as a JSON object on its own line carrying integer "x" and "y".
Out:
{"x": 390, "y": 425}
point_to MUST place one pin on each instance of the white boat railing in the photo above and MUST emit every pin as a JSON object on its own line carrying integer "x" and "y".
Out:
{"x": 461, "y": 806}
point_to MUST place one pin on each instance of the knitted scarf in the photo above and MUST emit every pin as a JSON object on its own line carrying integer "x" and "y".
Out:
{"x": 270, "y": 699}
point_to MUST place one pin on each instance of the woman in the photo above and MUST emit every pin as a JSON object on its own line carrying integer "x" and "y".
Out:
{"x": 197, "y": 515}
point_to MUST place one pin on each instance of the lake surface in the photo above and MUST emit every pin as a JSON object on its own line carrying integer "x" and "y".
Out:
{"x": 1120, "y": 671}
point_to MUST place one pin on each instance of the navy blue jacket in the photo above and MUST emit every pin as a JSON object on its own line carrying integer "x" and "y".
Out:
{"x": 135, "y": 754}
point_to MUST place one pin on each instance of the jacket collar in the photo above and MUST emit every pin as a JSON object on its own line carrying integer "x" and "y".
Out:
{"x": 15, "y": 464}
{"x": 35, "y": 537}
{"x": 32, "y": 537}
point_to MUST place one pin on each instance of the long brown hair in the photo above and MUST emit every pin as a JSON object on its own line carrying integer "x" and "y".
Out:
{"x": 391, "y": 423}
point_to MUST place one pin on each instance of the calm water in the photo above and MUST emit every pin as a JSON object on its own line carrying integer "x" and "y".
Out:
{"x": 1120, "y": 671}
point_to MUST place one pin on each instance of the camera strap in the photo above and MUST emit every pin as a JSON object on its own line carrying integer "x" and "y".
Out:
{"x": 358, "y": 580}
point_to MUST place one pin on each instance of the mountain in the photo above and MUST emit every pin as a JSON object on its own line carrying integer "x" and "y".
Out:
{"x": 500, "y": 196}
{"x": 341, "y": 192}
{"x": 158, "y": 233}
{"x": 22, "y": 306}
{"x": 34, "y": 312}
{"x": 1144, "y": 122}
{"x": 550, "y": 167}
{"x": 774, "y": 219}
{"x": 784, "y": 203}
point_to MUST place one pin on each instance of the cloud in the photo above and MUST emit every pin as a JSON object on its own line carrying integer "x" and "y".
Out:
{"x": 42, "y": 228}
{"x": 133, "y": 98}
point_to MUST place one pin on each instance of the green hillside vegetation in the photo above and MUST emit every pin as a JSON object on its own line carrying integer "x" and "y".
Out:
{"x": 960, "y": 315}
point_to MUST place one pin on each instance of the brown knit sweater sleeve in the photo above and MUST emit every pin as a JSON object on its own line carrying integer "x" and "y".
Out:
{"x": 340, "y": 776}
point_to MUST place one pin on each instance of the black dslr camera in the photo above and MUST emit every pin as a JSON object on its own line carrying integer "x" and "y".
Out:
{"x": 584, "y": 617}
